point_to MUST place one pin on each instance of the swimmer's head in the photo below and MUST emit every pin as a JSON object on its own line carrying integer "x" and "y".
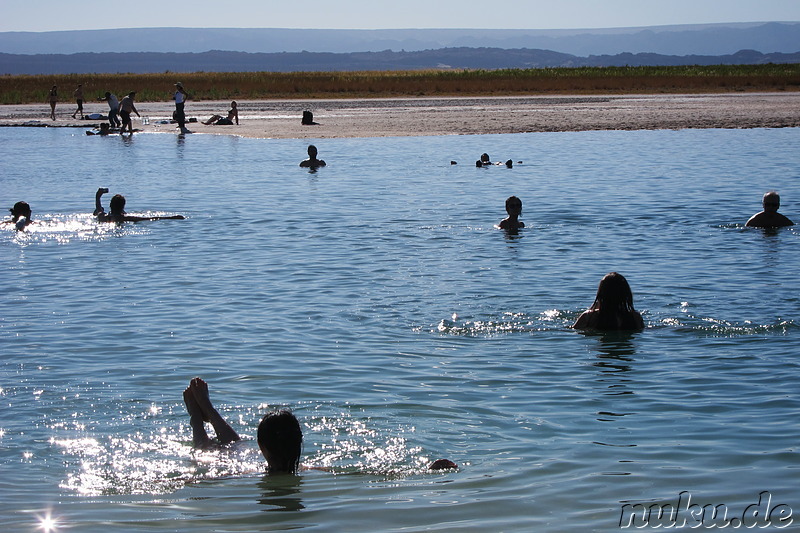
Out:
{"x": 771, "y": 201}
{"x": 117, "y": 204}
{"x": 233, "y": 104}
{"x": 312, "y": 151}
{"x": 613, "y": 293}
{"x": 513, "y": 206}
{"x": 485, "y": 158}
{"x": 20, "y": 209}
{"x": 280, "y": 439}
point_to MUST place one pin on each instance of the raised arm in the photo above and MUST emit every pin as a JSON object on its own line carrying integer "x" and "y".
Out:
{"x": 98, "y": 207}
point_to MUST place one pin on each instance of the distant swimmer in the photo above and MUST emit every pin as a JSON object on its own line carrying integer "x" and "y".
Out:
{"x": 279, "y": 435}
{"x": 117, "y": 210}
{"x": 514, "y": 210}
{"x": 485, "y": 161}
{"x": 769, "y": 217}
{"x": 312, "y": 161}
{"x": 612, "y": 308}
{"x": 20, "y": 216}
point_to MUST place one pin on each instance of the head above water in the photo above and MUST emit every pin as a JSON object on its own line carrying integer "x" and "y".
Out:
{"x": 513, "y": 206}
{"x": 614, "y": 294}
{"x": 280, "y": 439}
{"x": 771, "y": 201}
{"x": 312, "y": 151}
{"x": 117, "y": 204}
{"x": 485, "y": 158}
{"x": 20, "y": 209}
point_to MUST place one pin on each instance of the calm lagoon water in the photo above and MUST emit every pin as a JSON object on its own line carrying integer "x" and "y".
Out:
{"x": 376, "y": 300}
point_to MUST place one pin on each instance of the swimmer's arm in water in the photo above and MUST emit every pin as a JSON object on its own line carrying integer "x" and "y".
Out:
{"x": 132, "y": 218}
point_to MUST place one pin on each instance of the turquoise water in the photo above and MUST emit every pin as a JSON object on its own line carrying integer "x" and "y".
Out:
{"x": 376, "y": 300}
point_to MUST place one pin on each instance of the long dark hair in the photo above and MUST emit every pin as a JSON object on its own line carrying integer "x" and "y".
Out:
{"x": 614, "y": 303}
{"x": 279, "y": 433}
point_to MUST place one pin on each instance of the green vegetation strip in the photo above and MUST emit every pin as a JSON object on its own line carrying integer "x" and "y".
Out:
{"x": 377, "y": 84}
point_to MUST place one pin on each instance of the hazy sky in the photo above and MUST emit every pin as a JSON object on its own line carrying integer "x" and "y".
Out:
{"x": 49, "y": 15}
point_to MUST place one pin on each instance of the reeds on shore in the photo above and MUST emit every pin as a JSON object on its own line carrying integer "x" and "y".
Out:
{"x": 28, "y": 89}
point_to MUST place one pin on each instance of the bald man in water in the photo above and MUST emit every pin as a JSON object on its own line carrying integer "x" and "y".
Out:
{"x": 769, "y": 217}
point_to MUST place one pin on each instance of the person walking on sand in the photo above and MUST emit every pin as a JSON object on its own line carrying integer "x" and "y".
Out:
{"x": 180, "y": 101}
{"x": 78, "y": 94}
{"x": 125, "y": 108}
{"x": 52, "y": 98}
{"x": 769, "y": 217}
{"x": 113, "y": 109}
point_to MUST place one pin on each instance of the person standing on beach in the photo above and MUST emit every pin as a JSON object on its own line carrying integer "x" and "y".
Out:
{"x": 180, "y": 100}
{"x": 769, "y": 217}
{"x": 53, "y": 99}
{"x": 113, "y": 109}
{"x": 78, "y": 94}
{"x": 125, "y": 108}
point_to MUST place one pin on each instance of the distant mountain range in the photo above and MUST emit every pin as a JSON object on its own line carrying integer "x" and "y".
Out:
{"x": 452, "y": 58}
{"x": 707, "y": 39}
{"x": 281, "y": 50}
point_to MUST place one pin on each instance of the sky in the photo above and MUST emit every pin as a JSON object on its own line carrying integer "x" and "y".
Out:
{"x": 55, "y": 15}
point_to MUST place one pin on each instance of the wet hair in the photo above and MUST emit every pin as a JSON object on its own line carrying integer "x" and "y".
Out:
{"x": 614, "y": 300}
{"x": 117, "y": 204}
{"x": 280, "y": 436}
{"x": 20, "y": 209}
{"x": 513, "y": 203}
{"x": 312, "y": 151}
{"x": 485, "y": 158}
{"x": 771, "y": 195}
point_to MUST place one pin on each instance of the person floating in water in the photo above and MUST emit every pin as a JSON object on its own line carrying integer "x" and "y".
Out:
{"x": 769, "y": 217}
{"x": 279, "y": 435}
{"x": 20, "y": 216}
{"x": 612, "y": 308}
{"x": 219, "y": 120}
{"x": 514, "y": 210}
{"x": 117, "y": 210}
{"x": 485, "y": 161}
{"x": 312, "y": 161}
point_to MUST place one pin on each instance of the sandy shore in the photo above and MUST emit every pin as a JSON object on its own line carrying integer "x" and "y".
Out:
{"x": 450, "y": 116}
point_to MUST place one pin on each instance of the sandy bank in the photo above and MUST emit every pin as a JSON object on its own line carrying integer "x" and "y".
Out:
{"x": 452, "y": 116}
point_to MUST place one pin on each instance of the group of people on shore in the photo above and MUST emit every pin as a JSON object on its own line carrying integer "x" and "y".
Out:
{"x": 119, "y": 111}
